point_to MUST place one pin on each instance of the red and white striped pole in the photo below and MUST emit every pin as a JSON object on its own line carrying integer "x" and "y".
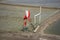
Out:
{"x": 27, "y": 16}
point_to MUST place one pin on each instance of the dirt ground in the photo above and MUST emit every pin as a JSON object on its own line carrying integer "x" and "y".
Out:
{"x": 25, "y": 36}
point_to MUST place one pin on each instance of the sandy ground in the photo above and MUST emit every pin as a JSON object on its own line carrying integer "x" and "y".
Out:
{"x": 11, "y": 17}
{"x": 25, "y": 36}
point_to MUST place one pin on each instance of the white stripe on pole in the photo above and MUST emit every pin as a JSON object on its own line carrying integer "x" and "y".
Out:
{"x": 27, "y": 13}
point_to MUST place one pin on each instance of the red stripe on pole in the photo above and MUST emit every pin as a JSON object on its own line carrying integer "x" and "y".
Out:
{"x": 25, "y": 17}
{"x": 24, "y": 23}
{"x": 29, "y": 15}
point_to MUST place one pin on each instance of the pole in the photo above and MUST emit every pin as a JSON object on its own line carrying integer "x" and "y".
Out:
{"x": 40, "y": 16}
{"x": 34, "y": 19}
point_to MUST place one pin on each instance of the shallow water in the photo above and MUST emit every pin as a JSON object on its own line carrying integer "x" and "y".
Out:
{"x": 54, "y": 28}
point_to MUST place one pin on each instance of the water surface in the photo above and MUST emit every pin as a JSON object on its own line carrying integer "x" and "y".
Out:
{"x": 54, "y": 28}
